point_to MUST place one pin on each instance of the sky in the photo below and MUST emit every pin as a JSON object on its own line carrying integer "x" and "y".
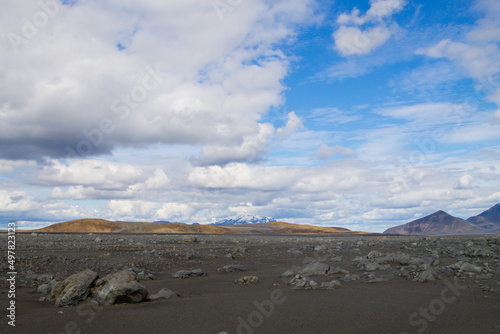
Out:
{"x": 359, "y": 114}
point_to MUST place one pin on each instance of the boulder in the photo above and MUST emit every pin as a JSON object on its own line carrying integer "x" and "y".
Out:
{"x": 233, "y": 267}
{"x": 247, "y": 280}
{"x": 303, "y": 282}
{"x": 330, "y": 285}
{"x": 469, "y": 267}
{"x": 120, "y": 287}
{"x": 75, "y": 288}
{"x": 314, "y": 269}
{"x": 289, "y": 272}
{"x": 48, "y": 290}
{"x": 189, "y": 273}
{"x": 425, "y": 276}
{"x": 337, "y": 270}
{"x": 164, "y": 294}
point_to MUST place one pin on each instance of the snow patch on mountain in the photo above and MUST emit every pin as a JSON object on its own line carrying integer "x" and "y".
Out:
{"x": 244, "y": 219}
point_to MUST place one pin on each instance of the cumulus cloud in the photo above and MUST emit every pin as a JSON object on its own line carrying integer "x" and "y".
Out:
{"x": 252, "y": 147}
{"x": 17, "y": 201}
{"x": 350, "y": 39}
{"x": 147, "y": 77}
{"x": 326, "y": 152}
{"x": 174, "y": 211}
{"x": 132, "y": 210}
{"x": 293, "y": 124}
{"x": 353, "y": 41}
{"x": 479, "y": 55}
{"x": 99, "y": 173}
{"x": 464, "y": 182}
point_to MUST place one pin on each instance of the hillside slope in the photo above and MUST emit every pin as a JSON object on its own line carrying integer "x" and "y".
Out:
{"x": 439, "y": 222}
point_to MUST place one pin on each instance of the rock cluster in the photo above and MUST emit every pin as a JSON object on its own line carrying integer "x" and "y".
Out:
{"x": 120, "y": 287}
{"x": 247, "y": 280}
{"x": 189, "y": 273}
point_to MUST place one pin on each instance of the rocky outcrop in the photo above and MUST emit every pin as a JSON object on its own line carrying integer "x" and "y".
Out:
{"x": 120, "y": 287}
{"x": 75, "y": 288}
{"x": 189, "y": 273}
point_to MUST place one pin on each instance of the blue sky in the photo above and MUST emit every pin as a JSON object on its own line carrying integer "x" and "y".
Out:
{"x": 359, "y": 114}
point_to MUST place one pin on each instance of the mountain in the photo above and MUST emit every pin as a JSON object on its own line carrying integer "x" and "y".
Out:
{"x": 489, "y": 220}
{"x": 277, "y": 227}
{"x": 244, "y": 219}
{"x": 106, "y": 226}
{"x": 437, "y": 223}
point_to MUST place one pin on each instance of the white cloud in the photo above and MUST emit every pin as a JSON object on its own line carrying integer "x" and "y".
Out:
{"x": 464, "y": 182}
{"x": 132, "y": 210}
{"x": 472, "y": 133}
{"x": 251, "y": 148}
{"x": 379, "y": 9}
{"x": 293, "y": 124}
{"x": 98, "y": 173}
{"x": 325, "y": 152}
{"x": 478, "y": 61}
{"x": 243, "y": 176}
{"x": 426, "y": 114}
{"x": 174, "y": 211}
{"x": 16, "y": 202}
{"x": 479, "y": 56}
{"x": 196, "y": 80}
{"x": 332, "y": 116}
{"x": 352, "y": 40}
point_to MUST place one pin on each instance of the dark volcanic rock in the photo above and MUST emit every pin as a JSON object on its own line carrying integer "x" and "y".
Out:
{"x": 120, "y": 287}
{"x": 75, "y": 288}
{"x": 189, "y": 273}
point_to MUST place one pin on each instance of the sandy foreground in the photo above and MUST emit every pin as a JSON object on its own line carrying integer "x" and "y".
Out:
{"x": 380, "y": 293}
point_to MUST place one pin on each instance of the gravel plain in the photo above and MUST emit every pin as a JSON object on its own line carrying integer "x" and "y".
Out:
{"x": 263, "y": 283}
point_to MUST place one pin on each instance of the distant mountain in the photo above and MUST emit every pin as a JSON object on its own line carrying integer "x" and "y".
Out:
{"x": 489, "y": 220}
{"x": 244, "y": 219}
{"x": 437, "y": 223}
{"x": 106, "y": 226}
{"x": 166, "y": 222}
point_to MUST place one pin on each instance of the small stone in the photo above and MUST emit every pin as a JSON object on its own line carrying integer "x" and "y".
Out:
{"x": 330, "y": 285}
{"x": 469, "y": 267}
{"x": 189, "y": 273}
{"x": 288, "y": 273}
{"x": 316, "y": 268}
{"x": 233, "y": 267}
{"x": 164, "y": 294}
{"x": 374, "y": 254}
{"x": 302, "y": 282}
{"x": 247, "y": 280}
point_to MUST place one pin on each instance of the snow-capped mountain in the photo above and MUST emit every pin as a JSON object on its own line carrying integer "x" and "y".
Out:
{"x": 244, "y": 219}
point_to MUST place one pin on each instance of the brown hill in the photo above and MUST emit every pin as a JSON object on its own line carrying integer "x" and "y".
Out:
{"x": 437, "y": 223}
{"x": 489, "y": 220}
{"x": 105, "y": 226}
{"x": 288, "y": 228}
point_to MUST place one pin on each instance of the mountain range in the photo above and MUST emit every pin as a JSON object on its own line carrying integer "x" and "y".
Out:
{"x": 441, "y": 222}
{"x": 244, "y": 219}
{"x": 106, "y": 226}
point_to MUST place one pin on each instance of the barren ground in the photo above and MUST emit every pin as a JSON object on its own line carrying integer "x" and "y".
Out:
{"x": 214, "y": 303}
